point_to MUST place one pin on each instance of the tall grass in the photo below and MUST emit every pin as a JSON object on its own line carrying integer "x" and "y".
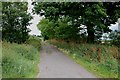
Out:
{"x": 20, "y": 60}
{"x": 99, "y": 59}
{"x": 34, "y": 41}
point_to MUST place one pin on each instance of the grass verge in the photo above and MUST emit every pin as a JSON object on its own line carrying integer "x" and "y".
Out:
{"x": 20, "y": 60}
{"x": 98, "y": 59}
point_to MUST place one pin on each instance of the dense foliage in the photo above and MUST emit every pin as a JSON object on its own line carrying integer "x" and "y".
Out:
{"x": 15, "y": 20}
{"x": 96, "y": 16}
{"x": 60, "y": 29}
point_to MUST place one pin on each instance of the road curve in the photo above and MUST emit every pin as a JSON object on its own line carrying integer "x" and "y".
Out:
{"x": 54, "y": 64}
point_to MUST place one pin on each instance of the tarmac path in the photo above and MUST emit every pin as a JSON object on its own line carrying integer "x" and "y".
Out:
{"x": 54, "y": 64}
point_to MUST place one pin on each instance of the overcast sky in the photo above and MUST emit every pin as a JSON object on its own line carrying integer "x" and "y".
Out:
{"x": 37, "y": 18}
{"x": 34, "y": 21}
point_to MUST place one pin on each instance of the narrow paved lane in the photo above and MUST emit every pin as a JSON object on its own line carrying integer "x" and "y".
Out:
{"x": 54, "y": 64}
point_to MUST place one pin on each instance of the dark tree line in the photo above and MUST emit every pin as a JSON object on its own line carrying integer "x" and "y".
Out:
{"x": 63, "y": 19}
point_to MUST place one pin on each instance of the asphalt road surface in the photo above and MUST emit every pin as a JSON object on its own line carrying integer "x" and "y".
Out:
{"x": 54, "y": 64}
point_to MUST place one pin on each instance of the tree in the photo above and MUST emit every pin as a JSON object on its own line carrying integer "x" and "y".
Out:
{"x": 15, "y": 20}
{"x": 47, "y": 28}
{"x": 94, "y": 15}
{"x": 65, "y": 30}
{"x": 59, "y": 29}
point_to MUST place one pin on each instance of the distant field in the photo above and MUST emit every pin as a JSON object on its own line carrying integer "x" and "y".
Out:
{"x": 99, "y": 59}
{"x": 20, "y": 60}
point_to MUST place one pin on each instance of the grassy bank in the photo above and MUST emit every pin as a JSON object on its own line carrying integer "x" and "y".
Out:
{"x": 34, "y": 41}
{"x": 98, "y": 59}
{"x": 20, "y": 60}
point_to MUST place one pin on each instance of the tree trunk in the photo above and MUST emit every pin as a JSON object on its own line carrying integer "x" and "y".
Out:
{"x": 91, "y": 36}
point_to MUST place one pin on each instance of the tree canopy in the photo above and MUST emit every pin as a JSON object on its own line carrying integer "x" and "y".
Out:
{"x": 96, "y": 16}
{"x": 15, "y": 20}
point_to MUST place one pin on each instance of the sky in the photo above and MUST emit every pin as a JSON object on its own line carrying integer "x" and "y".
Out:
{"x": 36, "y": 19}
{"x": 114, "y": 26}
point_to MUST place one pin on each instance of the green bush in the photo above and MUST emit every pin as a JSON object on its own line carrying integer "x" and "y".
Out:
{"x": 19, "y": 60}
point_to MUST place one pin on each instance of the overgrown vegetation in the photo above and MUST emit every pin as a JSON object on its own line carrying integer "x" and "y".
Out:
{"x": 58, "y": 30}
{"x": 83, "y": 22}
{"x": 20, "y": 60}
{"x": 15, "y": 20}
{"x": 63, "y": 21}
{"x": 75, "y": 20}
{"x": 20, "y": 53}
{"x": 34, "y": 41}
{"x": 99, "y": 59}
